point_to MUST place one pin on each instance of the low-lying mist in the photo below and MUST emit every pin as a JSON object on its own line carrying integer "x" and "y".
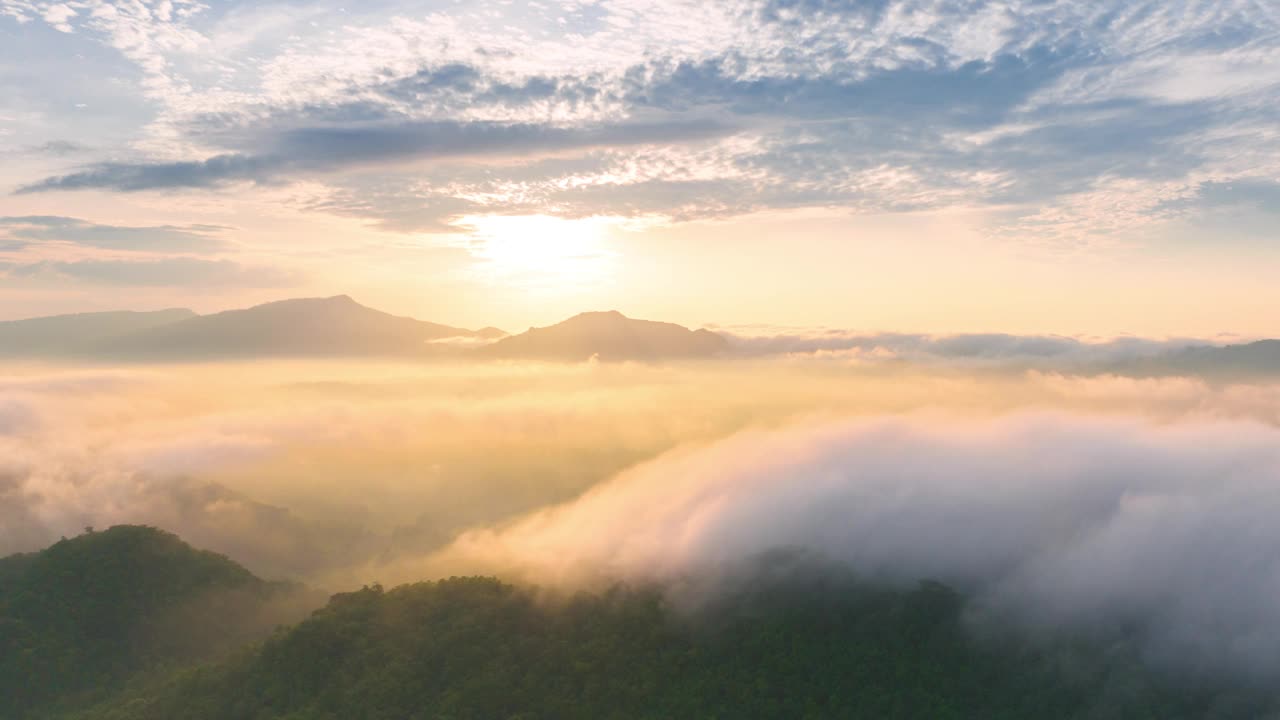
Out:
{"x": 1054, "y": 500}
{"x": 1055, "y": 521}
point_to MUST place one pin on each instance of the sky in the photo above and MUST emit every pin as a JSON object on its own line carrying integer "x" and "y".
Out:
{"x": 1099, "y": 168}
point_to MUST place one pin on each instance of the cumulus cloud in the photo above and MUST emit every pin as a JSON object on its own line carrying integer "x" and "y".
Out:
{"x": 1052, "y": 522}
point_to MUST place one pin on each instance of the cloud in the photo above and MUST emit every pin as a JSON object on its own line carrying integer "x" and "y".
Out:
{"x": 129, "y": 177}
{"x": 345, "y": 473}
{"x": 462, "y": 342}
{"x": 394, "y": 207}
{"x": 1055, "y": 352}
{"x": 157, "y": 272}
{"x": 227, "y": 459}
{"x": 54, "y": 148}
{"x": 1073, "y": 123}
{"x": 58, "y": 14}
{"x": 1052, "y": 523}
{"x": 468, "y": 90}
{"x": 171, "y": 238}
{"x": 908, "y": 138}
{"x": 326, "y": 149}
{"x": 1248, "y": 193}
{"x": 977, "y": 93}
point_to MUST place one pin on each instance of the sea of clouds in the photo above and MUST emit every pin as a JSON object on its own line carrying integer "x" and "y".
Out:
{"x": 1056, "y": 502}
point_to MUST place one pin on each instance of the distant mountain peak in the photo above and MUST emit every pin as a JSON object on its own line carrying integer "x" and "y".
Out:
{"x": 339, "y": 326}
{"x": 332, "y": 300}
{"x": 72, "y": 334}
{"x": 607, "y": 335}
{"x": 342, "y": 300}
{"x": 333, "y": 326}
{"x": 319, "y": 326}
{"x": 600, "y": 317}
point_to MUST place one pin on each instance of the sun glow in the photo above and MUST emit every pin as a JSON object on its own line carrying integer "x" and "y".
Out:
{"x": 538, "y": 250}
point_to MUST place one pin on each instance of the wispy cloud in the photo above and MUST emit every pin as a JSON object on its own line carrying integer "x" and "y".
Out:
{"x": 1074, "y": 122}
{"x": 326, "y": 149}
{"x": 37, "y": 229}
{"x": 183, "y": 272}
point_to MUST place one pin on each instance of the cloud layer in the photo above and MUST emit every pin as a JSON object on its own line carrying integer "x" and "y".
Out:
{"x": 1054, "y": 522}
{"x": 1068, "y": 122}
{"x": 1050, "y": 352}
{"x": 350, "y": 470}
{"x": 1061, "y": 503}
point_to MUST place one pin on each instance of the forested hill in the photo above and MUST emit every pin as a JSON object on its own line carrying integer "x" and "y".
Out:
{"x": 80, "y": 618}
{"x": 79, "y": 626}
{"x": 475, "y": 648}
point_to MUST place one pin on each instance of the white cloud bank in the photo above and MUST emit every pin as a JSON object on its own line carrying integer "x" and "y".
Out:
{"x": 1056, "y": 521}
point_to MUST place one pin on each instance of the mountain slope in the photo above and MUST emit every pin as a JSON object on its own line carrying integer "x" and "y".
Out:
{"x": 88, "y": 630}
{"x": 300, "y": 327}
{"x": 82, "y": 616}
{"x": 1244, "y": 361}
{"x": 69, "y": 334}
{"x": 607, "y": 336}
{"x": 478, "y": 648}
{"x": 1255, "y": 358}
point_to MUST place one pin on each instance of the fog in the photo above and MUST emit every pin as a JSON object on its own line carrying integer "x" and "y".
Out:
{"x": 973, "y": 349}
{"x": 1052, "y": 521}
{"x": 1058, "y": 501}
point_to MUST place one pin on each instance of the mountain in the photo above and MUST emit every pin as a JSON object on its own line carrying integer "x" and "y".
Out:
{"x": 131, "y": 623}
{"x": 607, "y": 336}
{"x": 70, "y": 334}
{"x": 333, "y": 326}
{"x": 1217, "y": 362}
{"x": 479, "y": 648}
{"x": 1255, "y": 358}
{"x": 86, "y": 614}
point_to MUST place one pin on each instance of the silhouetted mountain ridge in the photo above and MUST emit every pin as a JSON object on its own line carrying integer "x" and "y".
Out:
{"x": 1259, "y": 357}
{"x": 338, "y": 326}
{"x": 335, "y": 325}
{"x": 330, "y": 326}
{"x": 76, "y": 333}
{"x": 607, "y": 335}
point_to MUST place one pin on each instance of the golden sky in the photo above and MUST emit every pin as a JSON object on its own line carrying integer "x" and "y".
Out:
{"x": 1021, "y": 167}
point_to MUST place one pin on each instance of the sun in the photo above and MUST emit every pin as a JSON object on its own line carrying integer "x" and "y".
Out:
{"x": 541, "y": 249}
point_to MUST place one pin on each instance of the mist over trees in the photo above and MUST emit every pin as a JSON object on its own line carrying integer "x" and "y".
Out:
{"x": 863, "y": 360}
{"x": 102, "y": 626}
{"x": 86, "y": 615}
{"x": 1074, "y": 535}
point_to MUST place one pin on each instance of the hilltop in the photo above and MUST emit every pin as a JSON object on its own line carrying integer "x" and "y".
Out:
{"x": 133, "y": 624}
{"x": 607, "y": 336}
{"x": 331, "y": 326}
{"x": 81, "y": 617}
